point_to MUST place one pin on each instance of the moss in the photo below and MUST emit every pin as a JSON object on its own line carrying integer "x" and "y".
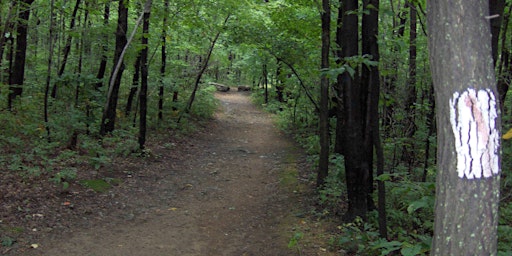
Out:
{"x": 98, "y": 185}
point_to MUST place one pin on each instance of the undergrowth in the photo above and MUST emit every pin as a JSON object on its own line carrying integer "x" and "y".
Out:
{"x": 69, "y": 142}
{"x": 410, "y": 203}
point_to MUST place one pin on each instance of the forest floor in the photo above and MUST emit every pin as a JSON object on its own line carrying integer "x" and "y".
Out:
{"x": 236, "y": 186}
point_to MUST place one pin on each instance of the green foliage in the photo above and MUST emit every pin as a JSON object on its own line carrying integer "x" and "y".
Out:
{"x": 363, "y": 239}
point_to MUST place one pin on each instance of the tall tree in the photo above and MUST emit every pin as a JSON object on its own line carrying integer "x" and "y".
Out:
{"x": 17, "y": 75}
{"x": 352, "y": 117}
{"x": 323, "y": 166}
{"x": 109, "y": 115}
{"x": 370, "y": 81}
{"x": 468, "y": 120}
{"x": 144, "y": 75}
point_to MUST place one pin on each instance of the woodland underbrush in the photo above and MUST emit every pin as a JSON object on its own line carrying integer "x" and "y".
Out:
{"x": 69, "y": 142}
{"x": 410, "y": 200}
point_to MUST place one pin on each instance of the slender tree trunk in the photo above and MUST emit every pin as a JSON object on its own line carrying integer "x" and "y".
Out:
{"x": 67, "y": 48}
{"x": 49, "y": 73}
{"x": 18, "y": 72}
{"x": 144, "y": 76}
{"x": 431, "y": 127}
{"x": 399, "y": 21}
{"x": 135, "y": 85}
{"x": 204, "y": 65}
{"x": 323, "y": 166}
{"x": 164, "y": 62}
{"x": 103, "y": 63}
{"x": 469, "y": 128}
{"x": 410, "y": 127}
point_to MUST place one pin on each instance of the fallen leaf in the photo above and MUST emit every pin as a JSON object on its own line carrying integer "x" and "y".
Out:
{"x": 66, "y": 203}
{"x": 173, "y": 209}
{"x": 508, "y": 135}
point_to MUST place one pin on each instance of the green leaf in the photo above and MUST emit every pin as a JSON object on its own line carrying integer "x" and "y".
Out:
{"x": 418, "y": 204}
{"x": 411, "y": 251}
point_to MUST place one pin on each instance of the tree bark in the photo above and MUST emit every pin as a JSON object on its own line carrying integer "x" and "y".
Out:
{"x": 144, "y": 76}
{"x": 109, "y": 115}
{"x": 323, "y": 165}
{"x": 357, "y": 169}
{"x": 18, "y": 72}
{"x": 468, "y": 124}
{"x": 371, "y": 83}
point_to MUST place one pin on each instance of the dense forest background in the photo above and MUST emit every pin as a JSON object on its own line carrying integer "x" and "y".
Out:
{"x": 86, "y": 81}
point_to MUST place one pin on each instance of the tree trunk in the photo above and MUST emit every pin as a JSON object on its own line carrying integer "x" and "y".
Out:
{"x": 103, "y": 62}
{"x": 135, "y": 85}
{"x": 18, "y": 72}
{"x": 144, "y": 76}
{"x": 7, "y": 29}
{"x": 109, "y": 115}
{"x": 323, "y": 165}
{"x": 408, "y": 155}
{"x": 201, "y": 71}
{"x": 67, "y": 48}
{"x": 468, "y": 123}
{"x": 49, "y": 73}
{"x": 357, "y": 167}
{"x": 371, "y": 82}
{"x": 164, "y": 62}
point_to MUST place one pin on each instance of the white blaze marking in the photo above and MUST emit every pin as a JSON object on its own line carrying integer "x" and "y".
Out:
{"x": 473, "y": 118}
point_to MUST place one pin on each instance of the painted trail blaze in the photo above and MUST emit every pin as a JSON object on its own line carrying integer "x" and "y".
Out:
{"x": 473, "y": 117}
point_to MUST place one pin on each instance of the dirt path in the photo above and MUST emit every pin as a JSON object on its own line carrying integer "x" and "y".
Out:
{"x": 223, "y": 195}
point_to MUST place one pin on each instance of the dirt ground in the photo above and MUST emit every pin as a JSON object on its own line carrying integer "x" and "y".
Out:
{"x": 236, "y": 187}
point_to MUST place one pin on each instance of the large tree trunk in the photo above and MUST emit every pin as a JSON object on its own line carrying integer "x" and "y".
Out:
{"x": 357, "y": 167}
{"x": 18, "y": 71}
{"x": 371, "y": 81}
{"x": 323, "y": 166}
{"x": 468, "y": 179}
{"x": 109, "y": 115}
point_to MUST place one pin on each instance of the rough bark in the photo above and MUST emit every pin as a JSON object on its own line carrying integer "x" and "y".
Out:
{"x": 468, "y": 124}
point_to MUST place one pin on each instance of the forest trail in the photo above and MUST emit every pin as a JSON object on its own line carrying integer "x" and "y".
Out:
{"x": 225, "y": 194}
